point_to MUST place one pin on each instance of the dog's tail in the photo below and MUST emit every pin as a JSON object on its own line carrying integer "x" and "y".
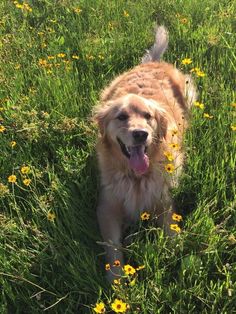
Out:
{"x": 161, "y": 43}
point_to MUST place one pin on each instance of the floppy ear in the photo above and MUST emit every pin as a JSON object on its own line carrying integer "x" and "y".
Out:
{"x": 162, "y": 123}
{"x": 102, "y": 115}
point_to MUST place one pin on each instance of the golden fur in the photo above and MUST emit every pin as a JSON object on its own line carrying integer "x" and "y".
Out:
{"x": 142, "y": 112}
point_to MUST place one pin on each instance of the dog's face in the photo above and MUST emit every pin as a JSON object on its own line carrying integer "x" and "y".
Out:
{"x": 133, "y": 124}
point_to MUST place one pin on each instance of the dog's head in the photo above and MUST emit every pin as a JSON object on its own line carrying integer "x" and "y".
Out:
{"x": 134, "y": 125}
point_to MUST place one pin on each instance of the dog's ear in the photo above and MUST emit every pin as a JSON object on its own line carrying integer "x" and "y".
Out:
{"x": 102, "y": 115}
{"x": 162, "y": 123}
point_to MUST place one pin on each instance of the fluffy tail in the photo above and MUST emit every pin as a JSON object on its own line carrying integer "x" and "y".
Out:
{"x": 159, "y": 47}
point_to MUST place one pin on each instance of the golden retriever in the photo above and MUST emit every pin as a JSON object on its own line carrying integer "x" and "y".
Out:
{"x": 141, "y": 115}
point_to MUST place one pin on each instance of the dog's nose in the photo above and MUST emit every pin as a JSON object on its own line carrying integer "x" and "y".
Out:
{"x": 140, "y": 136}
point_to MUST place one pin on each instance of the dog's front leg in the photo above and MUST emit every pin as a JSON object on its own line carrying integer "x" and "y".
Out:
{"x": 109, "y": 214}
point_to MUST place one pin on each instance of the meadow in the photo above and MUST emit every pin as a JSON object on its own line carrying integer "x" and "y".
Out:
{"x": 55, "y": 58}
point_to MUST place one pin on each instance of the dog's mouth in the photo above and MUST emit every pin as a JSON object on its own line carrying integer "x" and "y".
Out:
{"x": 138, "y": 159}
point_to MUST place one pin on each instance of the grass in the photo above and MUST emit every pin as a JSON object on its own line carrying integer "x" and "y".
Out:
{"x": 55, "y": 59}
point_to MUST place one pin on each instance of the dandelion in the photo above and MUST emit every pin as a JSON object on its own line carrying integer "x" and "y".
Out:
{"x": 174, "y": 145}
{"x": 61, "y": 55}
{"x": 207, "y": 116}
{"x": 118, "y": 306}
{"x": 99, "y": 308}
{"x": 116, "y": 263}
{"x": 169, "y": 168}
{"x": 12, "y": 179}
{"x": 177, "y": 217}
{"x": 27, "y": 182}
{"x": 129, "y": 270}
{"x": 107, "y": 267}
{"x": 125, "y": 13}
{"x": 233, "y": 127}
{"x": 145, "y": 216}
{"x": 169, "y": 156}
{"x": 186, "y": 61}
{"x": 198, "y": 105}
{"x": 175, "y": 228}
{"x": 2, "y": 128}
{"x": 25, "y": 169}
{"x": 51, "y": 216}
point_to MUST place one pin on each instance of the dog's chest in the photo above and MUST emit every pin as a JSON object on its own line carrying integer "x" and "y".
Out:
{"x": 137, "y": 194}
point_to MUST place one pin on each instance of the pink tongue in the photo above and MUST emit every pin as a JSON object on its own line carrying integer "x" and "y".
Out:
{"x": 138, "y": 161}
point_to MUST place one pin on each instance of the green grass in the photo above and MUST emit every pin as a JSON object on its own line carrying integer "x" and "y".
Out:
{"x": 57, "y": 266}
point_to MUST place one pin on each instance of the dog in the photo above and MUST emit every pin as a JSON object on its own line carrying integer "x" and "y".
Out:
{"x": 142, "y": 116}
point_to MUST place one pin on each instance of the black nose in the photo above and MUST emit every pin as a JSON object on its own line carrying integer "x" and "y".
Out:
{"x": 140, "y": 136}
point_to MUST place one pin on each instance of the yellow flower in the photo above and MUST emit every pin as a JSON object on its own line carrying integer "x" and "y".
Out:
{"x": 169, "y": 168}
{"x": 118, "y": 306}
{"x": 1, "y": 108}
{"x": 174, "y": 145}
{"x": 107, "y": 267}
{"x": 233, "y": 127}
{"x": 169, "y": 156}
{"x": 3, "y": 189}
{"x": 206, "y": 115}
{"x": 200, "y": 73}
{"x": 140, "y": 267}
{"x": 175, "y": 228}
{"x": 51, "y": 216}
{"x": 77, "y": 10}
{"x": 117, "y": 281}
{"x": 174, "y": 132}
{"x": 199, "y": 105}
{"x": 61, "y": 55}
{"x": 12, "y": 179}
{"x": 186, "y": 61}
{"x": 233, "y": 105}
{"x": 2, "y": 128}
{"x": 25, "y": 169}
{"x": 177, "y": 217}
{"x": 195, "y": 70}
{"x": 27, "y": 182}
{"x": 129, "y": 270}
{"x": 126, "y": 14}
{"x": 184, "y": 20}
{"x": 116, "y": 263}
{"x": 51, "y": 57}
{"x": 99, "y": 308}
{"x": 145, "y": 216}
{"x": 75, "y": 57}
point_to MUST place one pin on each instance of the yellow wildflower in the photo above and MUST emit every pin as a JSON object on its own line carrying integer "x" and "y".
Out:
{"x": 12, "y": 179}
{"x": 140, "y": 267}
{"x": 2, "y": 128}
{"x": 233, "y": 105}
{"x": 51, "y": 57}
{"x": 169, "y": 156}
{"x": 99, "y": 308}
{"x": 126, "y": 14}
{"x": 174, "y": 145}
{"x": 206, "y": 115}
{"x": 177, "y": 217}
{"x": 77, "y": 10}
{"x": 175, "y": 228}
{"x": 51, "y": 216}
{"x": 129, "y": 270}
{"x": 145, "y": 216}
{"x": 184, "y": 20}
{"x": 61, "y": 55}
{"x": 195, "y": 70}
{"x": 27, "y": 182}
{"x": 169, "y": 168}
{"x": 118, "y": 306}
{"x": 116, "y": 263}
{"x": 107, "y": 267}
{"x": 117, "y": 281}
{"x": 25, "y": 169}
{"x": 200, "y": 73}
{"x": 233, "y": 127}
{"x": 186, "y": 61}
{"x": 75, "y": 57}
{"x": 198, "y": 104}
{"x": 3, "y": 189}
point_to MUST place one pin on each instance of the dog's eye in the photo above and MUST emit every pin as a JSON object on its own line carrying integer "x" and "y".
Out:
{"x": 122, "y": 117}
{"x": 147, "y": 116}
